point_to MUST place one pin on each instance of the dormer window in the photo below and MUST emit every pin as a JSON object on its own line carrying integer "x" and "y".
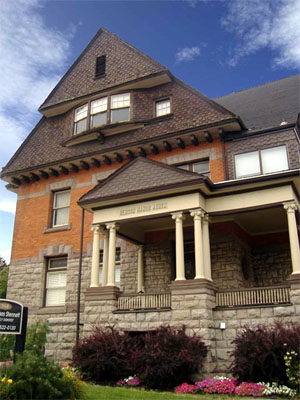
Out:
{"x": 120, "y": 107}
{"x": 163, "y": 107}
{"x": 99, "y": 112}
{"x": 80, "y": 121}
{"x": 106, "y": 110}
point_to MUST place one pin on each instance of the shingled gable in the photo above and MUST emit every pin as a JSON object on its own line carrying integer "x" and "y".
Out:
{"x": 139, "y": 176}
{"x": 123, "y": 63}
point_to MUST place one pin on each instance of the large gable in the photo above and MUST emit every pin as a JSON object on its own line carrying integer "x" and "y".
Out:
{"x": 123, "y": 63}
{"x": 138, "y": 176}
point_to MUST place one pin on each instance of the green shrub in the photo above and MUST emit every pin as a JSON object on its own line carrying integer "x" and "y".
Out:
{"x": 36, "y": 336}
{"x": 7, "y": 346}
{"x": 3, "y": 281}
{"x": 259, "y": 352}
{"x": 35, "y": 377}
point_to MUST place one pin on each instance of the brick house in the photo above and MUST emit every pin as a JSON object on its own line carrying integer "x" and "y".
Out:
{"x": 161, "y": 205}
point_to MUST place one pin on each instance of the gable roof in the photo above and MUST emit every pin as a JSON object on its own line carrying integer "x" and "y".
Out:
{"x": 123, "y": 63}
{"x": 139, "y": 176}
{"x": 267, "y": 105}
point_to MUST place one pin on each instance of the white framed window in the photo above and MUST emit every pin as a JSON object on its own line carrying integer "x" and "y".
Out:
{"x": 80, "y": 119}
{"x": 56, "y": 279}
{"x": 260, "y": 162}
{"x": 120, "y": 107}
{"x": 98, "y": 112}
{"x": 117, "y": 267}
{"x": 200, "y": 167}
{"x": 61, "y": 208}
{"x": 247, "y": 164}
{"x": 163, "y": 107}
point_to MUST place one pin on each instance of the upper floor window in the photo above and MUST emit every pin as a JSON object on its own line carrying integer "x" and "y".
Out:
{"x": 109, "y": 109}
{"x": 163, "y": 107}
{"x": 80, "y": 120}
{"x": 200, "y": 167}
{"x": 117, "y": 267}
{"x": 261, "y": 162}
{"x": 60, "y": 208}
{"x": 56, "y": 279}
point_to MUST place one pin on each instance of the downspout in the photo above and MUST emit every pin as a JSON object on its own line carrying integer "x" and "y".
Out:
{"x": 224, "y": 156}
{"x": 79, "y": 278}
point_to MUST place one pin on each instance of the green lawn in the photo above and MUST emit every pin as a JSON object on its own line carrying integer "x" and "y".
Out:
{"x": 95, "y": 392}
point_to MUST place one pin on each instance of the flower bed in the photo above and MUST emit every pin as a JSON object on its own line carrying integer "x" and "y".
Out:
{"x": 223, "y": 385}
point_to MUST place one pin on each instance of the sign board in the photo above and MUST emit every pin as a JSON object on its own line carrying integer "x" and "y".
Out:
{"x": 11, "y": 314}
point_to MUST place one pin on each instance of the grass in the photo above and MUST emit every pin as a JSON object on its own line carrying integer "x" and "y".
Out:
{"x": 96, "y": 392}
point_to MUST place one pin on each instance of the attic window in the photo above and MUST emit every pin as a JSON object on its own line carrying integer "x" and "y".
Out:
{"x": 100, "y": 67}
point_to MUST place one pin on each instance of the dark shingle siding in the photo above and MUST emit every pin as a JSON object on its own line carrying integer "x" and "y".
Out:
{"x": 260, "y": 142}
{"x": 267, "y": 105}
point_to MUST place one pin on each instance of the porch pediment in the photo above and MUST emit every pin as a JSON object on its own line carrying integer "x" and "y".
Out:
{"x": 138, "y": 177}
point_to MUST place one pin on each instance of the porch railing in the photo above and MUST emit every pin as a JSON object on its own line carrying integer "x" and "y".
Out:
{"x": 155, "y": 301}
{"x": 253, "y": 296}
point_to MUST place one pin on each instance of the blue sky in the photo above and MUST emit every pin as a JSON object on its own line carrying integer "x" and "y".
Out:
{"x": 216, "y": 46}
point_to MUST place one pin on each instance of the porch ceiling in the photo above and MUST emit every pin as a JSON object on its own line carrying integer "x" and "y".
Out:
{"x": 262, "y": 221}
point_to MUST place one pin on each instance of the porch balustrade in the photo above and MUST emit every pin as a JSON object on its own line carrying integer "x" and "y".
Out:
{"x": 136, "y": 302}
{"x": 253, "y": 296}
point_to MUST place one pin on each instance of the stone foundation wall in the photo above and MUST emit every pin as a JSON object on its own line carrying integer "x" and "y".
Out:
{"x": 227, "y": 253}
{"x": 271, "y": 264}
{"x": 157, "y": 268}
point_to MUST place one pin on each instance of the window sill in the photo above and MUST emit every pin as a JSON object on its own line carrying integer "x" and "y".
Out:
{"x": 52, "y": 310}
{"x": 58, "y": 228}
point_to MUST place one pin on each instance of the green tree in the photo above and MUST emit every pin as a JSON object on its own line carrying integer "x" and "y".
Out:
{"x": 3, "y": 278}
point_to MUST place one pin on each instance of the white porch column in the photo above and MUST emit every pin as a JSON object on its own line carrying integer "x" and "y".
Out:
{"x": 293, "y": 235}
{"x": 180, "y": 269}
{"x": 111, "y": 254}
{"x": 198, "y": 240}
{"x": 95, "y": 256}
{"x": 105, "y": 257}
{"x": 206, "y": 247}
{"x": 140, "y": 287}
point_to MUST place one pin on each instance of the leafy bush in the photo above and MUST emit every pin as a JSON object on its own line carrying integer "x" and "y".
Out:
{"x": 35, "y": 377}
{"x": 7, "y": 346}
{"x": 36, "y": 336}
{"x": 259, "y": 352}
{"x": 161, "y": 359}
{"x": 3, "y": 281}
{"x": 106, "y": 355}
{"x": 169, "y": 357}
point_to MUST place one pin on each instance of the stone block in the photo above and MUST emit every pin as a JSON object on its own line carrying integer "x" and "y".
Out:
{"x": 254, "y": 312}
{"x": 266, "y": 312}
{"x": 284, "y": 311}
{"x": 180, "y": 315}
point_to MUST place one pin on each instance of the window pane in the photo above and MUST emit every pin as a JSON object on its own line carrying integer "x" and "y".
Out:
{"x": 201, "y": 167}
{"x": 163, "y": 107}
{"x": 99, "y": 105}
{"x": 274, "y": 159}
{"x": 81, "y": 112}
{"x": 117, "y": 276}
{"x": 98, "y": 119}
{"x": 120, "y": 115}
{"x": 100, "y": 276}
{"x": 80, "y": 126}
{"x": 120, "y": 100}
{"x": 61, "y": 216}
{"x": 56, "y": 297}
{"x": 62, "y": 199}
{"x": 56, "y": 279}
{"x": 247, "y": 164}
{"x": 58, "y": 263}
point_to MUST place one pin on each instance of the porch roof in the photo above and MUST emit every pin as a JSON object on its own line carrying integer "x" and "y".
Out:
{"x": 141, "y": 175}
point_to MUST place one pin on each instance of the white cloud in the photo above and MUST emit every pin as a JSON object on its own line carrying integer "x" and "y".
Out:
{"x": 5, "y": 253}
{"x": 272, "y": 24}
{"x": 8, "y": 206}
{"x": 187, "y": 54}
{"x": 32, "y": 58}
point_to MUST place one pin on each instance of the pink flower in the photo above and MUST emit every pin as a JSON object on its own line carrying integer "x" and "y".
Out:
{"x": 250, "y": 389}
{"x": 185, "y": 388}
